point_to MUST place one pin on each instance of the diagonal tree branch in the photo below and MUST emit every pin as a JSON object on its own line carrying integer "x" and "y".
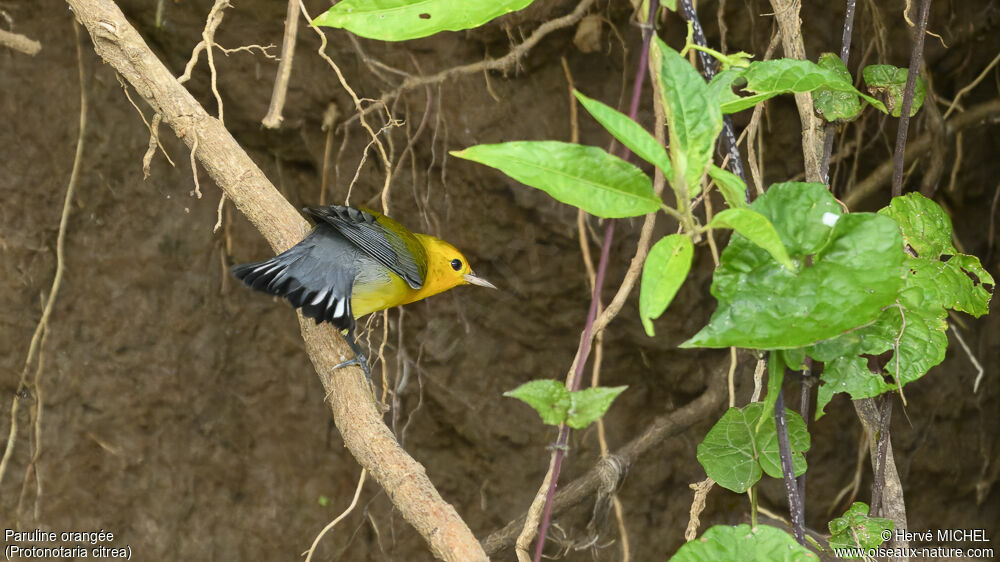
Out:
{"x": 355, "y": 413}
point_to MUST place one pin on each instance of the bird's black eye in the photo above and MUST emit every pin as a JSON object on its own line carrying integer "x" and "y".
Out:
{"x": 456, "y": 265}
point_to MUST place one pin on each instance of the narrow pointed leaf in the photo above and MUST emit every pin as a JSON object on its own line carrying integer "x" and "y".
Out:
{"x": 733, "y": 189}
{"x": 756, "y": 228}
{"x": 583, "y": 176}
{"x": 663, "y": 273}
{"x": 629, "y": 133}
{"x": 693, "y": 119}
{"x": 399, "y": 20}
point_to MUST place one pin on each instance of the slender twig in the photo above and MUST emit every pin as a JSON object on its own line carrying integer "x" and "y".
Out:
{"x": 807, "y": 383}
{"x": 273, "y": 118}
{"x": 663, "y": 427}
{"x": 588, "y": 329}
{"x": 974, "y": 116}
{"x": 35, "y": 347}
{"x": 911, "y": 82}
{"x": 845, "y": 53}
{"x": 788, "y": 471}
{"x": 339, "y": 518}
{"x": 19, "y": 43}
{"x": 708, "y": 70}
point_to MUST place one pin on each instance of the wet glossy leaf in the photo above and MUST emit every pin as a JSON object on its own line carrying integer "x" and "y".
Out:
{"x": 850, "y": 268}
{"x": 856, "y": 529}
{"x": 590, "y": 404}
{"x": 693, "y": 119}
{"x": 834, "y": 105}
{"x": 761, "y": 544}
{"x": 399, "y": 20}
{"x": 756, "y": 228}
{"x": 735, "y": 452}
{"x": 888, "y": 82}
{"x": 583, "y": 176}
{"x": 629, "y": 133}
{"x": 663, "y": 273}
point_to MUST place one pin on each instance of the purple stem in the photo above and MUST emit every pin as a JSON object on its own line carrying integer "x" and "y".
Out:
{"x": 562, "y": 441}
{"x": 911, "y": 81}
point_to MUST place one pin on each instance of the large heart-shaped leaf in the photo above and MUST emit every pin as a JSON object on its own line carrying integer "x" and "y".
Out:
{"x": 849, "y": 269}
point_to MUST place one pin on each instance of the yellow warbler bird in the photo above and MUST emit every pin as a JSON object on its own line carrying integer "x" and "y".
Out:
{"x": 358, "y": 261}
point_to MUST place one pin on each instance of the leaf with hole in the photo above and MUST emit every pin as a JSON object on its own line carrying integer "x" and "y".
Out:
{"x": 400, "y": 20}
{"x": 887, "y": 83}
{"x": 664, "y": 271}
{"x": 583, "y": 176}
{"x": 629, "y": 133}
{"x": 769, "y": 78}
{"x": 741, "y": 542}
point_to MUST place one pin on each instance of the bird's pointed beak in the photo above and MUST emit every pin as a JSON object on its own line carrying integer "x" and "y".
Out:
{"x": 472, "y": 279}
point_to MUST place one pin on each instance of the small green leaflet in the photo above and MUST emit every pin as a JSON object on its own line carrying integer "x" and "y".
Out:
{"x": 756, "y": 228}
{"x": 888, "y": 82}
{"x": 736, "y": 452}
{"x": 663, "y": 273}
{"x": 583, "y": 176}
{"x": 693, "y": 119}
{"x": 629, "y": 133}
{"x": 733, "y": 190}
{"x": 741, "y": 542}
{"x": 400, "y": 20}
{"x": 937, "y": 278}
{"x": 849, "y": 269}
{"x": 556, "y": 405}
{"x": 836, "y": 105}
{"x": 856, "y": 529}
{"x": 769, "y": 78}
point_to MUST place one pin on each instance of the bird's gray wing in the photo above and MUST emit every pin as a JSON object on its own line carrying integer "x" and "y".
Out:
{"x": 395, "y": 248}
{"x": 316, "y": 275}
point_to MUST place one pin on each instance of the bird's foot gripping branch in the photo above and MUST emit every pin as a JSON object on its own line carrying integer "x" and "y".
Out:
{"x": 801, "y": 278}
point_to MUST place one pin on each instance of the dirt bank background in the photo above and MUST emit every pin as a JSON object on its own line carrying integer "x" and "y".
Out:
{"x": 180, "y": 410}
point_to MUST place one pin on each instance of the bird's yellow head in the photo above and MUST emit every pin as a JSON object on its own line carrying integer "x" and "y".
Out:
{"x": 446, "y": 268}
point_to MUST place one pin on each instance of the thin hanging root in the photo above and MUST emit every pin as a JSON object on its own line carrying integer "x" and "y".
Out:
{"x": 346, "y": 512}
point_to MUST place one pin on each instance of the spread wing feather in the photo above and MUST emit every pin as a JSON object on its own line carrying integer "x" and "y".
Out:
{"x": 380, "y": 237}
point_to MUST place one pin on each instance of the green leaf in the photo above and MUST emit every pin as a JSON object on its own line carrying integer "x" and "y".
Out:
{"x": 663, "y": 273}
{"x": 836, "y": 105}
{"x": 735, "y": 452}
{"x": 761, "y": 544}
{"x": 590, "y": 404}
{"x": 850, "y": 268}
{"x": 399, "y": 20}
{"x": 629, "y": 133}
{"x": 887, "y": 83}
{"x": 766, "y": 79}
{"x": 693, "y": 119}
{"x": 757, "y": 229}
{"x": 583, "y": 176}
{"x": 856, "y": 529}
{"x": 914, "y": 327}
{"x": 775, "y": 377}
{"x": 549, "y": 398}
{"x": 733, "y": 189}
